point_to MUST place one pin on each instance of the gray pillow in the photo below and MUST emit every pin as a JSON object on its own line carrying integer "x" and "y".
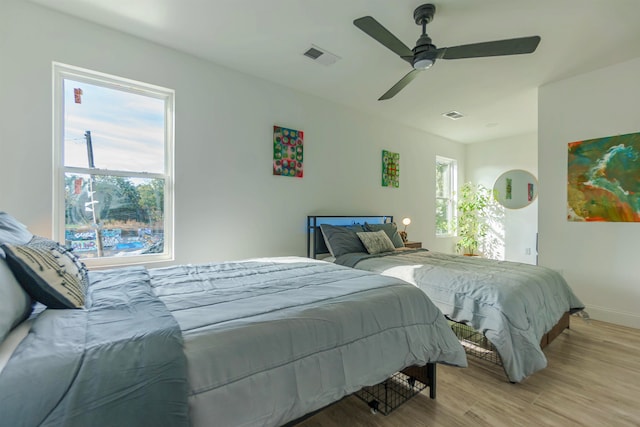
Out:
{"x": 48, "y": 272}
{"x": 15, "y": 303}
{"x": 12, "y": 231}
{"x": 342, "y": 239}
{"x": 376, "y": 242}
{"x": 390, "y": 228}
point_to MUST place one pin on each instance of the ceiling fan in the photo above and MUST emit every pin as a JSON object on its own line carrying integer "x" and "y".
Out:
{"x": 425, "y": 53}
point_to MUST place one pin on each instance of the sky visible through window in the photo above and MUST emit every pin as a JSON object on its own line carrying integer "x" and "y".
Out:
{"x": 127, "y": 129}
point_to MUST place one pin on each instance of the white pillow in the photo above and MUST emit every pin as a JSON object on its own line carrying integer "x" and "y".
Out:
{"x": 15, "y": 303}
{"x": 12, "y": 231}
{"x": 12, "y": 341}
{"x": 376, "y": 242}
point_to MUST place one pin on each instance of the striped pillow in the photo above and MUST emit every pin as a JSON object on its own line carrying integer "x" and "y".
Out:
{"x": 48, "y": 272}
{"x": 376, "y": 242}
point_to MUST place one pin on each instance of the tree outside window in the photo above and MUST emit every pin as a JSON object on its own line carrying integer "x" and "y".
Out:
{"x": 114, "y": 145}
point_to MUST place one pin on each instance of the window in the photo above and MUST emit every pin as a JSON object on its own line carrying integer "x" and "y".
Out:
{"x": 113, "y": 138}
{"x": 446, "y": 173}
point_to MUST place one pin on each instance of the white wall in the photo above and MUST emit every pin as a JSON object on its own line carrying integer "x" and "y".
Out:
{"x": 228, "y": 204}
{"x": 485, "y": 163}
{"x": 599, "y": 260}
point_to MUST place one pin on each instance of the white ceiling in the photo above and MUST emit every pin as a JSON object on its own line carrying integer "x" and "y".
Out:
{"x": 498, "y": 95}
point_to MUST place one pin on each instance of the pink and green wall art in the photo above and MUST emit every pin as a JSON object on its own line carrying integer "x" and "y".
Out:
{"x": 390, "y": 169}
{"x": 603, "y": 179}
{"x": 288, "y": 150}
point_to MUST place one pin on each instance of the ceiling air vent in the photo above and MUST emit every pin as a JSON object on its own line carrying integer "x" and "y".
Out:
{"x": 321, "y": 55}
{"x": 453, "y": 115}
{"x": 313, "y": 53}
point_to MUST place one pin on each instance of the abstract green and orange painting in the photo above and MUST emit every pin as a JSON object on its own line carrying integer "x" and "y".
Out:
{"x": 390, "y": 169}
{"x": 603, "y": 179}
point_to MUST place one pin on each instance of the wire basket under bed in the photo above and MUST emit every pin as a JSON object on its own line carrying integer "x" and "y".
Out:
{"x": 475, "y": 343}
{"x": 391, "y": 393}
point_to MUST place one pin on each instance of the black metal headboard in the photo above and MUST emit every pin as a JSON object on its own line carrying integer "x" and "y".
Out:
{"x": 315, "y": 241}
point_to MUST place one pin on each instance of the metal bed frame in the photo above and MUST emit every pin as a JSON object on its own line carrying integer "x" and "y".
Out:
{"x": 315, "y": 241}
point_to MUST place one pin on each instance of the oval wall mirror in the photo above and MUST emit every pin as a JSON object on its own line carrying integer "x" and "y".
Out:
{"x": 515, "y": 189}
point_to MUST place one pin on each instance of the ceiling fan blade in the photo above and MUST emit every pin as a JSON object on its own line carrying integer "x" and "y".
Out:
{"x": 400, "y": 85}
{"x": 374, "y": 29}
{"x": 495, "y": 48}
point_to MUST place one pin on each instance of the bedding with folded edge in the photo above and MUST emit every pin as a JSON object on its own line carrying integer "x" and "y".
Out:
{"x": 255, "y": 342}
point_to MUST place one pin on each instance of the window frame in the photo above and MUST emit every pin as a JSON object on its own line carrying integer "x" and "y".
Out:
{"x": 64, "y": 71}
{"x": 451, "y": 200}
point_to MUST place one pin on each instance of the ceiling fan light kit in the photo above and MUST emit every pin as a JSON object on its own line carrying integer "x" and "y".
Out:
{"x": 423, "y": 64}
{"x": 425, "y": 53}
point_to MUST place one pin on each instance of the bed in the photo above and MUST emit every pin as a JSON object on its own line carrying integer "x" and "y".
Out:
{"x": 519, "y": 308}
{"x": 238, "y": 343}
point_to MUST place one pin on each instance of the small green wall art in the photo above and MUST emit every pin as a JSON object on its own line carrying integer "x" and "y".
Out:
{"x": 390, "y": 169}
{"x": 288, "y": 152}
{"x": 603, "y": 179}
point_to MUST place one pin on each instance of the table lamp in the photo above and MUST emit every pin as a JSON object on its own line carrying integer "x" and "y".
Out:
{"x": 403, "y": 233}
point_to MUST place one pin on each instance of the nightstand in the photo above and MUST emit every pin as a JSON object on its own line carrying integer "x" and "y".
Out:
{"x": 413, "y": 245}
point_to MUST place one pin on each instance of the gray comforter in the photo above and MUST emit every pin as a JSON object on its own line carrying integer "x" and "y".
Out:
{"x": 119, "y": 362}
{"x": 266, "y": 341}
{"x": 513, "y": 304}
{"x": 270, "y": 340}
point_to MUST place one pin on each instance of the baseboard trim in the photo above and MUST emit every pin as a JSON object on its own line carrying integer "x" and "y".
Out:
{"x": 613, "y": 316}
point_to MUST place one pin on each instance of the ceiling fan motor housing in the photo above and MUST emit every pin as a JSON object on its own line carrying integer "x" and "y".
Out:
{"x": 424, "y": 54}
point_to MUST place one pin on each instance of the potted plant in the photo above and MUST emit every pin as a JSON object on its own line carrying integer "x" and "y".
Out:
{"x": 474, "y": 202}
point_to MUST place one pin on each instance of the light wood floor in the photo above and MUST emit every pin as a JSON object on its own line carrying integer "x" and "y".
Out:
{"x": 592, "y": 379}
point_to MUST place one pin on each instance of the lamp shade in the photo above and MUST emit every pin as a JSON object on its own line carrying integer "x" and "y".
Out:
{"x": 406, "y": 221}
